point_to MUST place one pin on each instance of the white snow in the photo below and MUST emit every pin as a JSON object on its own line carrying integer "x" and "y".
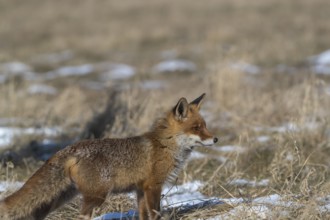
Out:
{"x": 254, "y": 212}
{"x": 10, "y": 185}
{"x": 229, "y": 148}
{"x": 7, "y": 134}
{"x": 255, "y": 208}
{"x": 70, "y": 71}
{"x": 321, "y": 63}
{"x": 263, "y": 138}
{"x": 298, "y": 127}
{"x": 14, "y": 67}
{"x": 271, "y": 199}
{"x": 117, "y": 72}
{"x": 245, "y": 67}
{"x": 153, "y": 84}
{"x": 178, "y": 195}
{"x": 42, "y": 89}
{"x": 198, "y": 155}
{"x": 260, "y": 208}
{"x": 325, "y": 201}
{"x": 251, "y": 183}
{"x": 175, "y": 65}
{"x": 324, "y": 208}
{"x": 182, "y": 194}
{"x": 290, "y": 127}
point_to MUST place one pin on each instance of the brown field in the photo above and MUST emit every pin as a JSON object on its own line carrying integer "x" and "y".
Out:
{"x": 286, "y": 103}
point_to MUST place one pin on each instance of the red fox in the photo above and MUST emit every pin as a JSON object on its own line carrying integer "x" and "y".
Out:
{"x": 97, "y": 167}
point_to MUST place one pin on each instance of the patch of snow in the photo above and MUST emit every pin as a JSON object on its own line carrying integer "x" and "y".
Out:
{"x": 6, "y": 137}
{"x": 305, "y": 126}
{"x": 271, "y": 199}
{"x": 70, "y": 71}
{"x": 325, "y": 199}
{"x": 117, "y": 72}
{"x": 42, "y": 89}
{"x": 260, "y": 208}
{"x": 10, "y": 185}
{"x": 47, "y": 141}
{"x": 252, "y": 183}
{"x": 322, "y": 58}
{"x": 245, "y": 67}
{"x": 234, "y": 201}
{"x": 15, "y": 68}
{"x": 324, "y": 208}
{"x": 195, "y": 155}
{"x": 229, "y": 148}
{"x": 54, "y": 58}
{"x": 321, "y": 63}
{"x": 7, "y": 134}
{"x": 263, "y": 138}
{"x": 254, "y": 212}
{"x": 10, "y": 69}
{"x": 274, "y": 200}
{"x": 289, "y": 157}
{"x": 175, "y": 65}
{"x": 152, "y": 84}
{"x": 182, "y": 194}
{"x": 290, "y": 127}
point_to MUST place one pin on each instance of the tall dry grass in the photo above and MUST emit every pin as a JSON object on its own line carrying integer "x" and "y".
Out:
{"x": 239, "y": 107}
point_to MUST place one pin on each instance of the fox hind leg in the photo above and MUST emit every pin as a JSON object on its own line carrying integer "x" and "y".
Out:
{"x": 43, "y": 210}
{"x": 91, "y": 202}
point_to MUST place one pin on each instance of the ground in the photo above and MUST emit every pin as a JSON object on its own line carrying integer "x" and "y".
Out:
{"x": 264, "y": 66}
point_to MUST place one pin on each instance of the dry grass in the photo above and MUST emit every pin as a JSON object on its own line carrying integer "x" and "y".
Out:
{"x": 240, "y": 107}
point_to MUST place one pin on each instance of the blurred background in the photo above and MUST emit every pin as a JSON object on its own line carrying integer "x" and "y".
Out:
{"x": 71, "y": 70}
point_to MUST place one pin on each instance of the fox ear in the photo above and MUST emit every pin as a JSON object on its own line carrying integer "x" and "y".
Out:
{"x": 181, "y": 109}
{"x": 198, "y": 101}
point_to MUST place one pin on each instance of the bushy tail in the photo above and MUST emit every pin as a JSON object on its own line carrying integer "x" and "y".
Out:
{"x": 45, "y": 191}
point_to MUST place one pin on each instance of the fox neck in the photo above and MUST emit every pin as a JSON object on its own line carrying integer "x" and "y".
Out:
{"x": 170, "y": 146}
{"x": 172, "y": 143}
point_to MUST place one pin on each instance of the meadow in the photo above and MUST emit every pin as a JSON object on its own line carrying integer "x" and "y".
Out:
{"x": 96, "y": 69}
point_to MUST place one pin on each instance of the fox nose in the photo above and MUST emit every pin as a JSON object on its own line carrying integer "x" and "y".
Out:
{"x": 215, "y": 140}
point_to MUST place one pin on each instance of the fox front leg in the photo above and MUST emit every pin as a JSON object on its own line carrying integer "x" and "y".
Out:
{"x": 152, "y": 200}
{"x": 143, "y": 211}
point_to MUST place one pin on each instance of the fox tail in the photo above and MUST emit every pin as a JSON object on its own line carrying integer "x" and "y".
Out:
{"x": 46, "y": 190}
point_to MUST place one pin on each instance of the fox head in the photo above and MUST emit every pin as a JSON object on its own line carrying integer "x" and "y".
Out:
{"x": 189, "y": 125}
